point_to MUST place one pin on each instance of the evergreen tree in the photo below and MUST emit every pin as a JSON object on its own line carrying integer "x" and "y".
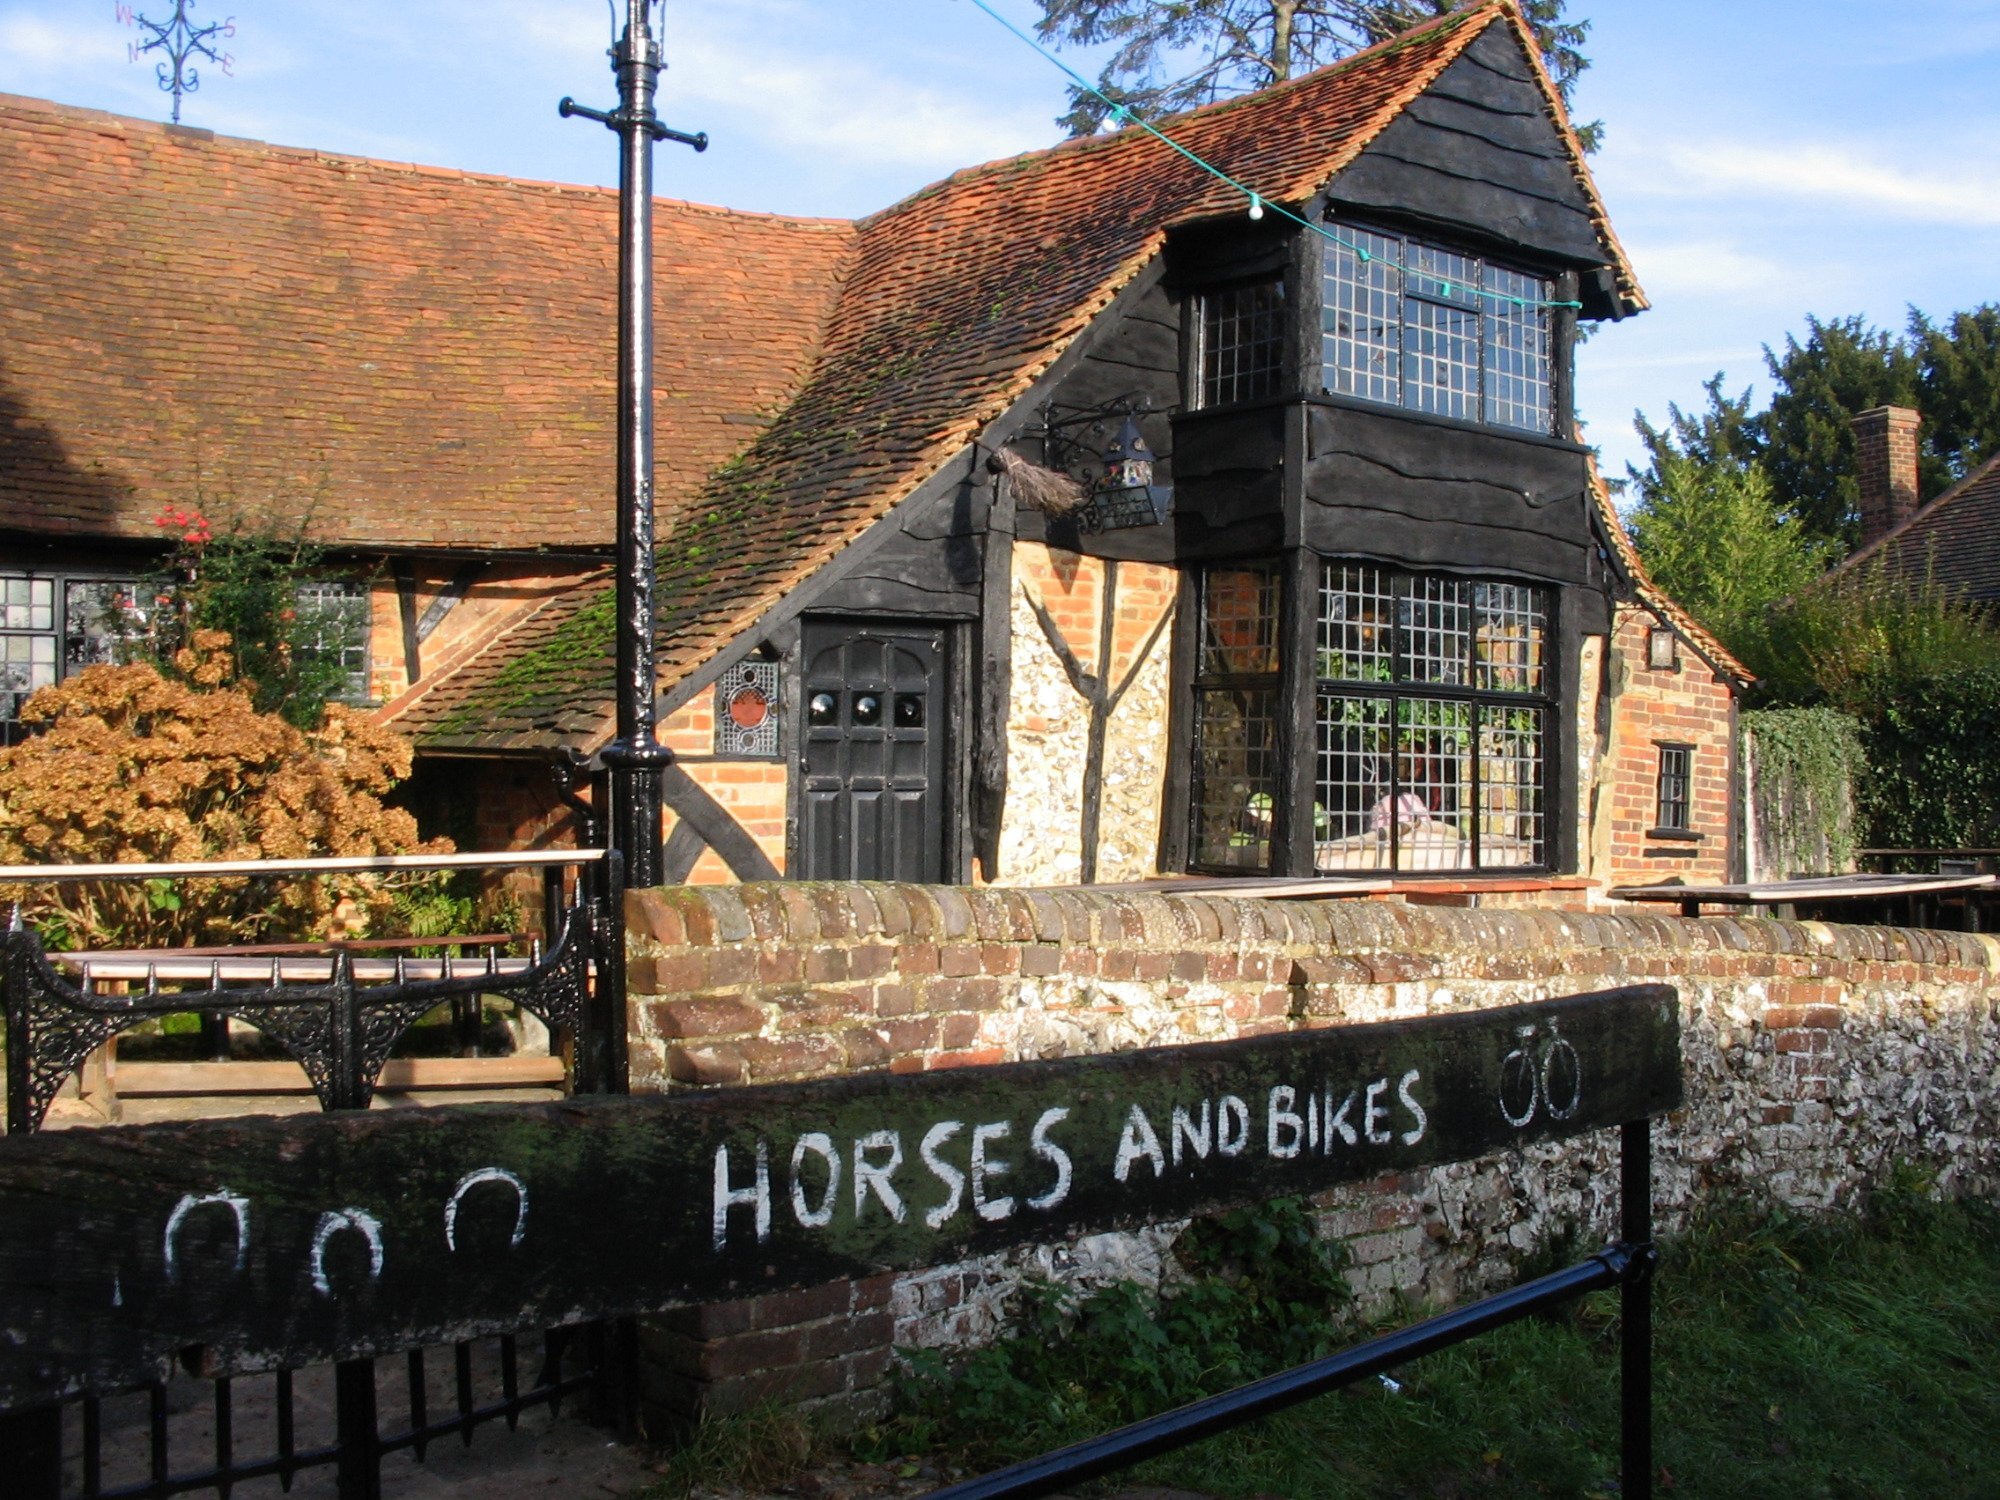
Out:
{"x": 1176, "y": 54}
{"x": 1842, "y": 368}
{"x": 1949, "y": 372}
{"x": 1709, "y": 528}
{"x": 1958, "y": 387}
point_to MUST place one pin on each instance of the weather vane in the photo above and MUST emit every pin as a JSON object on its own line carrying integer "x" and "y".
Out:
{"x": 180, "y": 39}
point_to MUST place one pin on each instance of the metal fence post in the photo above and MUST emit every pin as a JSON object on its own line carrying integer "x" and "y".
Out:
{"x": 20, "y": 1038}
{"x": 359, "y": 1471}
{"x": 1635, "y": 1297}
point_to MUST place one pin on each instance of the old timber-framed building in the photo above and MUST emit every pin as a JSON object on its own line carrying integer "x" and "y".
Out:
{"x": 1340, "y": 592}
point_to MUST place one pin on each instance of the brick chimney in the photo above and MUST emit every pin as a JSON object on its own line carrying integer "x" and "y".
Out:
{"x": 1885, "y": 452}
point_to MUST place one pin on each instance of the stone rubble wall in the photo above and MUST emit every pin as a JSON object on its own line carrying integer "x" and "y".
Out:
{"x": 1816, "y": 1057}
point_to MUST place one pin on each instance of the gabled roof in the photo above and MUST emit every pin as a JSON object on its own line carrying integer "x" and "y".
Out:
{"x": 1954, "y": 541}
{"x": 956, "y": 301}
{"x": 421, "y": 358}
{"x": 1626, "y": 560}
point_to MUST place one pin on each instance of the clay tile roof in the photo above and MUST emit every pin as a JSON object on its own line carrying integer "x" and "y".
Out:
{"x": 1625, "y": 558}
{"x": 1953, "y": 541}
{"x": 956, "y": 301}
{"x": 421, "y": 358}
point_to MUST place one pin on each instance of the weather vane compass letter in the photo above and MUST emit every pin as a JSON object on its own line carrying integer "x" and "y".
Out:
{"x": 181, "y": 40}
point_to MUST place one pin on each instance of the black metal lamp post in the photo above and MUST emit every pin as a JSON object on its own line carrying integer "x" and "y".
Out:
{"x": 635, "y": 756}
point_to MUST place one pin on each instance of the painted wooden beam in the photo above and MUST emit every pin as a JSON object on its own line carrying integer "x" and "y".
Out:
{"x": 243, "y": 1245}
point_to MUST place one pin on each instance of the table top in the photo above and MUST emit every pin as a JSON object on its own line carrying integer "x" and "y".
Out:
{"x": 1816, "y": 888}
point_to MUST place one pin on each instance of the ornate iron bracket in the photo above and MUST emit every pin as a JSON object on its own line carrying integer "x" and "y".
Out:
{"x": 341, "y": 1032}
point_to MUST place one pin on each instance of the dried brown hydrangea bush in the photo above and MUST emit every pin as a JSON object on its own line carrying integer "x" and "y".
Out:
{"x": 133, "y": 766}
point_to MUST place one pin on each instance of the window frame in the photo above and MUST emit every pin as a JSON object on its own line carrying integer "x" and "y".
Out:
{"x": 1445, "y": 291}
{"x": 1267, "y": 682}
{"x": 60, "y": 581}
{"x": 1669, "y": 786}
{"x": 1271, "y": 379}
{"x": 360, "y": 679}
{"x": 1301, "y": 696}
{"x": 1405, "y": 693}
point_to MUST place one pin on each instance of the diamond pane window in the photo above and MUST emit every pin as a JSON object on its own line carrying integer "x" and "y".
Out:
{"x": 1242, "y": 342}
{"x": 1415, "y": 325}
{"x": 1431, "y": 722}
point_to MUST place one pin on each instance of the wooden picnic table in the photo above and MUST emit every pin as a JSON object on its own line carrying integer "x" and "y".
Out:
{"x": 1819, "y": 890}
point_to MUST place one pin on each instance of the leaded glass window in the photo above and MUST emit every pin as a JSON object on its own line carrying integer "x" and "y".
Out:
{"x": 335, "y": 617}
{"x": 50, "y": 626}
{"x": 1243, "y": 342}
{"x": 1236, "y": 707}
{"x": 1433, "y": 721}
{"x": 1676, "y": 778}
{"x": 1416, "y": 325}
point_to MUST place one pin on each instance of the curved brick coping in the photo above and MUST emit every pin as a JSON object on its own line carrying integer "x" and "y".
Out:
{"x": 846, "y": 914}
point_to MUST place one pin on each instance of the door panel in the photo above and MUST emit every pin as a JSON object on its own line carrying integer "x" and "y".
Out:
{"x": 871, "y": 755}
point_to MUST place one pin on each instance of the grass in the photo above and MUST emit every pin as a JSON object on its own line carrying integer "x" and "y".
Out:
{"x": 1794, "y": 1357}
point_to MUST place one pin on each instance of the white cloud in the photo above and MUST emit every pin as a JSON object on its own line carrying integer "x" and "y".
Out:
{"x": 1828, "y": 173}
{"x": 1709, "y": 267}
{"x": 33, "y": 43}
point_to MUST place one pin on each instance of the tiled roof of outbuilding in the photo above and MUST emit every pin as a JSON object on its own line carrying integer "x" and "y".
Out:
{"x": 418, "y": 357}
{"x": 1954, "y": 541}
{"x": 957, "y": 300}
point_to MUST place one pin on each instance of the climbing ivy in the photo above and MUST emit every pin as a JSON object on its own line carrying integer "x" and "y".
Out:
{"x": 1804, "y": 765}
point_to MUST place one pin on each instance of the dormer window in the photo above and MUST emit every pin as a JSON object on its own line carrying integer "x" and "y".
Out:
{"x": 1242, "y": 342}
{"x": 1419, "y": 326}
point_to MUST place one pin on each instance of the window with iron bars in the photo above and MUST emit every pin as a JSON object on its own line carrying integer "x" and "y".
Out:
{"x": 52, "y": 625}
{"x": 1243, "y": 342}
{"x": 1418, "y": 326}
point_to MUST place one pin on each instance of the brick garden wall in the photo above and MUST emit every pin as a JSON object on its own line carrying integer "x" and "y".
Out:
{"x": 1816, "y": 1056}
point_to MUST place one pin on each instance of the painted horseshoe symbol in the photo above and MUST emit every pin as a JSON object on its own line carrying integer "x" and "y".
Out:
{"x": 235, "y": 1203}
{"x": 472, "y": 1180}
{"x": 362, "y": 1223}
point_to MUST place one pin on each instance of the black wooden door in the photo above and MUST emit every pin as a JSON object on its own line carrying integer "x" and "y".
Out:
{"x": 872, "y": 802}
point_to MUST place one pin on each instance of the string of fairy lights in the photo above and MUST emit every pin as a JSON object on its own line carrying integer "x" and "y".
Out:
{"x": 1258, "y": 204}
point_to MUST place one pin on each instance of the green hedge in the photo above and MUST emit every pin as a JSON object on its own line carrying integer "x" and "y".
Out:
{"x": 1934, "y": 756}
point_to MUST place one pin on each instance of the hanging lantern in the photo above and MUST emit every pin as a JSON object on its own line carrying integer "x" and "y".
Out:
{"x": 1126, "y": 495}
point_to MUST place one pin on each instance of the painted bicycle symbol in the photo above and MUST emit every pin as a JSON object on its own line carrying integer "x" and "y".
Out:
{"x": 1530, "y": 1083}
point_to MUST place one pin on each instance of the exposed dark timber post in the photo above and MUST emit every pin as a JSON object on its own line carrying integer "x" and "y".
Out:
{"x": 1635, "y": 1345}
{"x": 635, "y": 756}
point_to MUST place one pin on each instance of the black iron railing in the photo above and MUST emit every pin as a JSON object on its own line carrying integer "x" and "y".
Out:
{"x": 339, "y": 1015}
{"x": 1627, "y": 1264}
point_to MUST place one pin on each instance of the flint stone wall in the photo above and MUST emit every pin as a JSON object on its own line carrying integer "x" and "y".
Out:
{"x": 1816, "y": 1056}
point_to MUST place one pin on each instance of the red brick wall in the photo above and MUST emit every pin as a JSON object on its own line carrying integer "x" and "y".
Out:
{"x": 753, "y": 792}
{"x": 1815, "y": 1056}
{"x": 1691, "y": 705}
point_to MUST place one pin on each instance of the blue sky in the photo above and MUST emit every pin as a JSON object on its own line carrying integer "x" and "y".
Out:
{"x": 1765, "y": 159}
